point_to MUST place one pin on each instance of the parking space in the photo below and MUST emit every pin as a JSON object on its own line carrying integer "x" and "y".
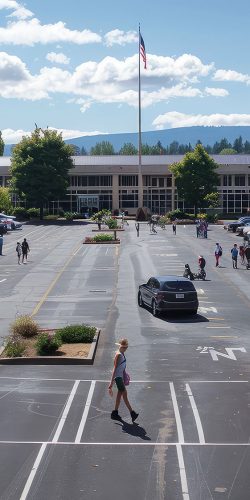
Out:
{"x": 49, "y": 426}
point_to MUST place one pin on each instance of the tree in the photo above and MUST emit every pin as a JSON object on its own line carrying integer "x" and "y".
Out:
{"x": 83, "y": 151}
{"x": 40, "y": 167}
{"x": 213, "y": 200}
{"x": 195, "y": 176}
{"x": 158, "y": 149}
{"x": 5, "y": 200}
{"x": 228, "y": 151}
{"x": 146, "y": 149}
{"x": 76, "y": 150}
{"x": 173, "y": 148}
{"x": 128, "y": 149}
{"x": 1, "y": 144}
{"x": 238, "y": 145}
{"x": 102, "y": 148}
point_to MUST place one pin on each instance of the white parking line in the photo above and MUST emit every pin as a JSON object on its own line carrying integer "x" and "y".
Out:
{"x": 65, "y": 412}
{"x": 85, "y": 412}
{"x": 1, "y": 281}
{"x": 196, "y": 415}
{"x": 33, "y": 472}
{"x": 177, "y": 413}
{"x": 183, "y": 475}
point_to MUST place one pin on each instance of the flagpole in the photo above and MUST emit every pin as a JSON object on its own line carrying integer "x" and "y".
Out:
{"x": 140, "y": 186}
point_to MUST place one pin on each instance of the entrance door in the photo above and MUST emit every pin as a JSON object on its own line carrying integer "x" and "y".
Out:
{"x": 87, "y": 203}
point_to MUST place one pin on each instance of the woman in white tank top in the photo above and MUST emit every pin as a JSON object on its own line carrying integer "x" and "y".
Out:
{"x": 118, "y": 378}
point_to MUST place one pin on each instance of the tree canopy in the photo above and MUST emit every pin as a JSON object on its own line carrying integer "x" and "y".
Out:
{"x": 195, "y": 177}
{"x": 102, "y": 148}
{"x": 5, "y": 200}
{"x": 40, "y": 167}
{"x": 128, "y": 149}
{"x": 1, "y": 144}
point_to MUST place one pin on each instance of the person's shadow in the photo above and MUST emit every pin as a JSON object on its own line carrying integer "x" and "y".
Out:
{"x": 133, "y": 429}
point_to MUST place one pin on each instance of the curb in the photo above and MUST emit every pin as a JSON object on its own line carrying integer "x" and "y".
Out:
{"x": 54, "y": 360}
{"x": 107, "y": 230}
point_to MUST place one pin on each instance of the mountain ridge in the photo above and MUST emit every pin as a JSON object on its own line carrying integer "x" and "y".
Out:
{"x": 183, "y": 135}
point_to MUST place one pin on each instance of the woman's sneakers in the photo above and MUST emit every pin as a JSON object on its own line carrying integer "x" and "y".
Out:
{"x": 134, "y": 415}
{"x": 115, "y": 415}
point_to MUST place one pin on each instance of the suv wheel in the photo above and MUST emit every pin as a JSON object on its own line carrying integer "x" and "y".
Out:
{"x": 140, "y": 301}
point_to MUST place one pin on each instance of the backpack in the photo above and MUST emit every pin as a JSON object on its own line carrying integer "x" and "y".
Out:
{"x": 220, "y": 251}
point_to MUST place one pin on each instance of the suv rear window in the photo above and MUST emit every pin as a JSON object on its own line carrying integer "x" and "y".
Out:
{"x": 176, "y": 286}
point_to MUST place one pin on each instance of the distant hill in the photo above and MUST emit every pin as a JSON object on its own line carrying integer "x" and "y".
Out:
{"x": 184, "y": 135}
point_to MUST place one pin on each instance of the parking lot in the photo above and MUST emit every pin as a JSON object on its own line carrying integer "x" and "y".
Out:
{"x": 190, "y": 375}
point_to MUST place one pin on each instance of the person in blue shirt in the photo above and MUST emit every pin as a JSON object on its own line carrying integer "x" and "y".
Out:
{"x": 234, "y": 253}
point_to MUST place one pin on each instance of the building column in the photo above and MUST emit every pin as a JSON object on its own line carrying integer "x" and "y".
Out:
{"x": 173, "y": 192}
{"x": 115, "y": 192}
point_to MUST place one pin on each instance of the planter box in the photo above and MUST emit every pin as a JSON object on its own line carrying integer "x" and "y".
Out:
{"x": 117, "y": 242}
{"x": 106, "y": 230}
{"x": 55, "y": 360}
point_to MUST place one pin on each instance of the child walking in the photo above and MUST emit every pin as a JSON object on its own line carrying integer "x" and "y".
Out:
{"x": 119, "y": 376}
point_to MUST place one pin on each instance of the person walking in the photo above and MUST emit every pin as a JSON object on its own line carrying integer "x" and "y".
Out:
{"x": 218, "y": 254}
{"x": 242, "y": 254}
{"x": 19, "y": 252}
{"x": 1, "y": 244}
{"x": 121, "y": 378}
{"x": 25, "y": 250}
{"x": 234, "y": 253}
{"x": 174, "y": 228}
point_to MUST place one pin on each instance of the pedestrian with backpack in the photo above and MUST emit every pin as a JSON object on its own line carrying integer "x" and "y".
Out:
{"x": 234, "y": 253}
{"x": 121, "y": 379}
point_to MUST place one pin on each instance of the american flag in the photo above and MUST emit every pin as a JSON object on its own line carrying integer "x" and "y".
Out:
{"x": 143, "y": 51}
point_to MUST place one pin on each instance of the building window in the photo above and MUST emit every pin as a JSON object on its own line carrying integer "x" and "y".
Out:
{"x": 169, "y": 181}
{"x": 128, "y": 198}
{"x": 154, "y": 181}
{"x": 128, "y": 180}
{"x": 161, "y": 182}
{"x": 227, "y": 180}
{"x": 239, "y": 180}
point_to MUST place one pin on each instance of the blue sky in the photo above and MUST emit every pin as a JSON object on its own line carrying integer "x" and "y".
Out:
{"x": 73, "y": 66}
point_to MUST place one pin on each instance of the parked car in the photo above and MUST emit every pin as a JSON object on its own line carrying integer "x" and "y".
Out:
{"x": 232, "y": 226}
{"x": 168, "y": 293}
{"x": 246, "y": 228}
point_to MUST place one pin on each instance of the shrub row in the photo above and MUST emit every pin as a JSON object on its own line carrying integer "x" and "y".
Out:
{"x": 25, "y": 327}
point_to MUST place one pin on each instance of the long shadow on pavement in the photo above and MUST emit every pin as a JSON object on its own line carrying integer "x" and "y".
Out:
{"x": 133, "y": 429}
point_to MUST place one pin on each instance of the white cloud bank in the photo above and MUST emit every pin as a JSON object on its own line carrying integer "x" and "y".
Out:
{"x": 11, "y": 136}
{"x": 224, "y": 75}
{"x": 107, "y": 81}
{"x": 173, "y": 119}
{"x": 119, "y": 37}
{"x": 57, "y": 57}
{"x": 19, "y": 10}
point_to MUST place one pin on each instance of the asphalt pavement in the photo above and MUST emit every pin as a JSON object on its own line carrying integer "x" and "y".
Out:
{"x": 190, "y": 375}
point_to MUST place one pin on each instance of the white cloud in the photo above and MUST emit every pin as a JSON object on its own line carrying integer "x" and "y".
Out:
{"x": 173, "y": 119}
{"x": 120, "y": 37}
{"x": 19, "y": 10}
{"x": 111, "y": 80}
{"x": 58, "y": 58}
{"x": 216, "y": 92}
{"x": 32, "y": 31}
{"x": 224, "y": 75}
{"x": 11, "y": 136}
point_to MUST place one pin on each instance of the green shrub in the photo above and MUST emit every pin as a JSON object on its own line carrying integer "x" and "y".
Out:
{"x": 61, "y": 212}
{"x": 51, "y": 217}
{"x": 47, "y": 343}
{"x": 33, "y": 213}
{"x": 24, "y": 326}
{"x": 14, "y": 347}
{"x": 176, "y": 214}
{"x": 76, "y": 333}
{"x": 103, "y": 237}
{"x": 69, "y": 215}
{"x": 111, "y": 223}
{"x": 20, "y": 212}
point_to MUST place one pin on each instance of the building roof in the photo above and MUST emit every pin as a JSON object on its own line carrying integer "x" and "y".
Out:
{"x": 122, "y": 160}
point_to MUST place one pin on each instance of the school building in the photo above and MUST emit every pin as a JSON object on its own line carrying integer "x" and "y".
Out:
{"x": 116, "y": 183}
